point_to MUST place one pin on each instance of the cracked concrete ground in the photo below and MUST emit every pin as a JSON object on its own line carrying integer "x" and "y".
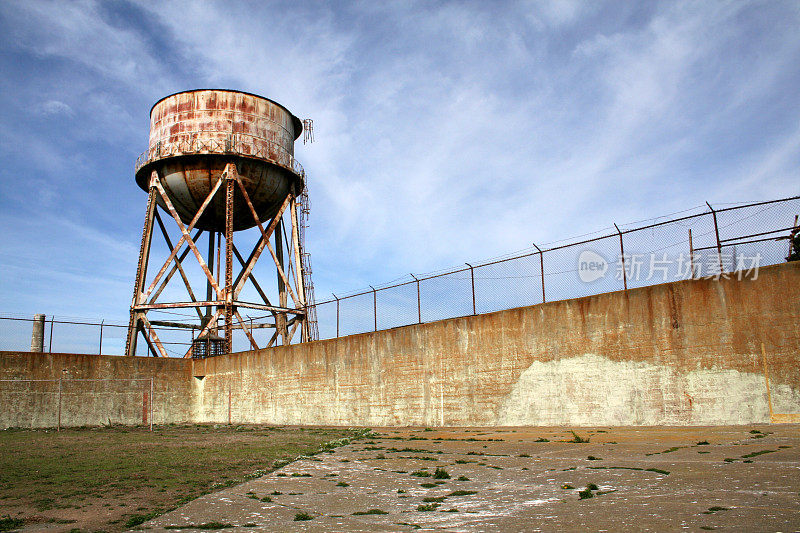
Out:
{"x": 742, "y": 478}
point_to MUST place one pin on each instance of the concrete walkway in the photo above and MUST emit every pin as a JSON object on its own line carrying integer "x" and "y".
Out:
{"x": 525, "y": 479}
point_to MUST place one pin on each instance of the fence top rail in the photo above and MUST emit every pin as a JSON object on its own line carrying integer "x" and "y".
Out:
{"x": 615, "y": 234}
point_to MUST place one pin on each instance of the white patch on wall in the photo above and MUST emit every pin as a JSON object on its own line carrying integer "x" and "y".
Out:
{"x": 593, "y": 390}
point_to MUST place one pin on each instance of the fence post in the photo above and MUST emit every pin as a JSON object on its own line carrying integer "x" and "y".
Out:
{"x": 419, "y": 300}
{"x": 541, "y": 266}
{"x": 716, "y": 232}
{"x": 472, "y": 276}
{"x": 100, "y": 350}
{"x": 50, "y": 346}
{"x": 58, "y": 427}
{"x": 622, "y": 257}
{"x": 337, "y": 315}
{"x": 691, "y": 254}
{"x": 374, "y": 306}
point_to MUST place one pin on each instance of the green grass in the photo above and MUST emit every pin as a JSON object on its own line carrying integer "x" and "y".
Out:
{"x": 300, "y": 517}
{"x": 463, "y": 493}
{"x": 421, "y": 473}
{"x": 463, "y": 478}
{"x": 585, "y": 494}
{"x": 342, "y": 484}
{"x": 427, "y": 507}
{"x": 8, "y": 524}
{"x": 207, "y": 525}
{"x": 437, "y": 499}
{"x": 151, "y": 472}
{"x": 577, "y": 438}
{"x": 756, "y": 454}
{"x": 371, "y": 511}
{"x": 441, "y": 473}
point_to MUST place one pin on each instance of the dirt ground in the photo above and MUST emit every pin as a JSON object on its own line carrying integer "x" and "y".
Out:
{"x": 113, "y": 478}
{"x": 744, "y": 478}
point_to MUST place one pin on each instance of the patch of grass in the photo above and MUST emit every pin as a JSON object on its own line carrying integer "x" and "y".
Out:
{"x": 756, "y": 454}
{"x": 567, "y": 486}
{"x": 577, "y": 438}
{"x": 729, "y": 459}
{"x": 585, "y": 493}
{"x": 297, "y": 474}
{"x": 441, "y": 473}
{"x": 462, "y": 493}
{"x": 523, "y": 455}
{"x": 300, "y": 517}
{"x": 8, "y": 524}
{"x": 755, "y": 431}
{"x": 592, "y": 486}
{"x": 428, "y": 485}
{"x": 453, "y": 510}
{"x": 371, "y": 511}
{"x": 463, "y": 478}
{"x": 137, "y": 519}
{"x": 276, "y": 493}
{"x": 207, "y": 525}
{"x": 437, "y": 499}
{"x": 342, "y": 484}
{"x": 427, "y": 507}
{"x": 702, "y": 443}
{"x": 593, "y": 458}
{"x": 656, "y": 470}
{"x": 542, "y": 439}
{"x": 421, "y": 473}
{"x": 714, "y": 509}
{"x": 266, "y": 499}
{"x": 401, "y": 491}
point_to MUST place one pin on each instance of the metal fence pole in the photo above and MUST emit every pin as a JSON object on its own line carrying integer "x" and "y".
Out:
{"x": 472, "y": 276}
{"x": 691, "y": 254}
{"x": 719, "y": 243}
{"x": 50, "y": 346}
{"x": 541, "y": 266}
{"x": 622, "y": 258}
{"x": 419, "y": 301}
{"x": 374, "y": 306}
{"x": 100, "y": 350}
{"x": 337, "y": 316}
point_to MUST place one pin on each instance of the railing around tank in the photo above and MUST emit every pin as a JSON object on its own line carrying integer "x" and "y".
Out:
{"x": 237, "y": 143}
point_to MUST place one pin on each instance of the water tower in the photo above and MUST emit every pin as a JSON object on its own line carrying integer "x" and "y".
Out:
{"x": 220, "y": 162}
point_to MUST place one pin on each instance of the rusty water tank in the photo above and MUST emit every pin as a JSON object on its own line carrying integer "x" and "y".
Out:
{"x": 194, "y": 134}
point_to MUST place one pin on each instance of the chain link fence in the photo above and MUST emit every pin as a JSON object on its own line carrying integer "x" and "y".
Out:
{"x": 723, "y": 241}
{"x": 733, "y": 240}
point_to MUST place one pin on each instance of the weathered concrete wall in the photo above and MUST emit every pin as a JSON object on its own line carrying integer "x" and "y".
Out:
{"x": 679, "y": 353}
{"x": 95, "y": 390}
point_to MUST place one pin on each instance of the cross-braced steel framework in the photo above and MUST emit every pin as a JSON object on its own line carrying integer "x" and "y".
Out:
{"x": 222, "y": 301}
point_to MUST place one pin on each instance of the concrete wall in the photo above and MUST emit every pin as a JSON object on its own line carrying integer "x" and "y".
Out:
{"x": 679, "y": 353}
{"x": 95, "y": 390}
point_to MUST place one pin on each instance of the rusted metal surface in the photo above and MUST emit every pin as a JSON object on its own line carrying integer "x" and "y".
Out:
{"x": 220, "y": 161}
{"x": 193, "y": 135}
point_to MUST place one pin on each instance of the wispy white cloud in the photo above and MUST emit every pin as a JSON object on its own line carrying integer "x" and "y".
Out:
{"x": 445, "y": 132}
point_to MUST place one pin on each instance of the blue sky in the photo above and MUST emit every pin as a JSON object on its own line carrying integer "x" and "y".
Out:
{"x": 444, "y": 131}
